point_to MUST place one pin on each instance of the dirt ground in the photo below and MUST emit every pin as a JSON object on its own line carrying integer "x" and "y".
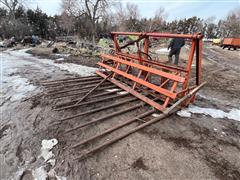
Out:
{"x": 200, "y": 147}
{"x": 47, "y": 53}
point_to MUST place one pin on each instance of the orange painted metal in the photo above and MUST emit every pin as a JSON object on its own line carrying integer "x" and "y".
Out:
{"x": 140, "y": 81}
{"x": 153, "y": 62}
{"x": 145, "y": 68}
{"x": 189, "y": 64}
{"x": 161, "y": 35}
{"x": 234, "y": 42}
{"x": 133, "y": 92}
{"x": 143, "y": 77}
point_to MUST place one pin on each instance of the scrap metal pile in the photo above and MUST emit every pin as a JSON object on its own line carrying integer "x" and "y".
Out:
{"x": 143, "y": 83}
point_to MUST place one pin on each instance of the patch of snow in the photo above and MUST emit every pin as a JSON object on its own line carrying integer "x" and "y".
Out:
{"x": 21, "y": 87}
{"x": 163, "y": 51}
{"x": 52, "y": 161}
{"x": 215, "y": 113}
{"x": 77, "y": 69}
{"x": 13, "y": 86}
{"x": 60, "y": 59}
{"x": 70, "y": 67}
{"x": 61, "y": 178}
{"x": 112, "y": 90}
{"x": 19, "y": 53}
{"x": 155, "y": 115}
{"x": 184, "y": 113}
{"x": 62, "y": 55}
{"x": 52, "y": 174}
{"x": 234, "y": 114}
{"x": 47, "y": 145}
{"x": 40, "y": 174}
{"x": 2, "y": 44}
{"x": 123, "y": 92}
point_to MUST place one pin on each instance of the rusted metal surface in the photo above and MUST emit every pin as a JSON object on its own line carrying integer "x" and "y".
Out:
{"x": 57, "y": 92}
{"x": 99, "y": 109}
{"x": 176, "y": 77}
{"x": 133, "y": 92}
{"x": 66, "y": 79}
{"x": 63, "y": 82}
{"x": 163, "y": 35}
{"x": 93, "y": 89}
{"x": 81, "y": 92}
{"x": 114, "y": 128}
{"x": 62, "y": 86}
{"x": 165, "y": 114}
{"x": 93, "y": 96}
{"x": 90, "y": 102}
{"x": 105, "y": 117}
{"x": 149, "y": 86}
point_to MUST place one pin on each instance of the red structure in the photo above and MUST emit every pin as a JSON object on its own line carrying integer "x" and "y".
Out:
{"x": 164, "y": 87}
{"x": 155, "y": 83}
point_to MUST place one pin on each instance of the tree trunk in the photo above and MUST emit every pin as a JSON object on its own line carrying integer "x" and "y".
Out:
{"x": 93, "y": 33}
{"x": 93, "y": 39}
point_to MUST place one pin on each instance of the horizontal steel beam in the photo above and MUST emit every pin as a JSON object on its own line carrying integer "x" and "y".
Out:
{"x": 145, "y": 68}
{"x": 163, "y": 35}
{"x": 174, "y": 108}
{"x": 55, "y": 88}
{"x": 105, "y": 117}
{"x": 82, "y": 92}
{"x": 90, "y": 102}
{"x": 113, "y": 128}
{"x": 70, "y": 81}
{"x": 140, "y": 81}
{"x": 134, "y": 93}
{"x": 107, "y": 143}
{"x": 70, "y": 90}
{"x": 93, "y": 96}
{"x": 99, "y": 109}
{"x": 66, "y": 79}
{"x": 152, "y": 62}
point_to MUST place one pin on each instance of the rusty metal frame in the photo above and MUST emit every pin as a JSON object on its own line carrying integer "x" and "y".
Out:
{"x": 177, "y": 76}
{"x": 174, "y": 108}
{"x": 145, "y": 119}
{"x": 144, "y": 78}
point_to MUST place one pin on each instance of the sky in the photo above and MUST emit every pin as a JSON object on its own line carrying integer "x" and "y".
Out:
{"x": 175, "y": 9}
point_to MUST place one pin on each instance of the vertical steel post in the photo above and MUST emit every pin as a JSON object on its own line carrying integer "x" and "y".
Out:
{"x": 116, "y": 45}
{"x": 189, "y": 65}
{"x": 146, "y": 51}
{"x": 146, "y": 47}
{"x": 198, "y": 61}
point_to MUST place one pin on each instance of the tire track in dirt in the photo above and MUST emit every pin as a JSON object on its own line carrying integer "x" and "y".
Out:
{"x": 206, "y": 144}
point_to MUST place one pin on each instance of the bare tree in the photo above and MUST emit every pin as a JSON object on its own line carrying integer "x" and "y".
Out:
{"x": 156, "y": 23}
{"x": 70, "y": 7}
{"x": 119, "y": 17}
{"x": 126, "y": 17}
{"x": 93, "y": 10}
{"x": 66, "y": 22}
{"x": 232, "y": 23}
{"x": 210, "y": 29}
{"x": 132, "y": 11}
{"x": 11, "y": 6}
